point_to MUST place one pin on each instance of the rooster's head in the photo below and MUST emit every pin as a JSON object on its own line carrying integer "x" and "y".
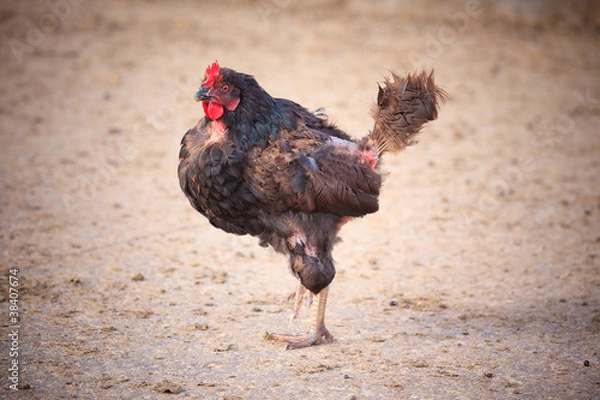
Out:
{"x": 219, "y": 91}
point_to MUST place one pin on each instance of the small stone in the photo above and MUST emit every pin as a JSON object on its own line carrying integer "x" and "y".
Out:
{"x": 200, "y": 327}
{"x": 137, "y": 277}
{"x": 168, "y": 387}
{"x": 222, "y": 348}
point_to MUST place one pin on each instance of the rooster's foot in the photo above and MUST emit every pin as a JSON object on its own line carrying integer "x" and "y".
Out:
{"x": 300, "y": 341}
{"x": 320, "y": 333}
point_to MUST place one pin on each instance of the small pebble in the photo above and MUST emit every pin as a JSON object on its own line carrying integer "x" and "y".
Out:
{"x": 137, "y": 277}
{"x": 393, "y": 303}
{"x": 200, "y": 327}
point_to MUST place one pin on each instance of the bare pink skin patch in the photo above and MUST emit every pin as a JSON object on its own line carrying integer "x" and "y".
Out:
{"x": 299, "y": 238}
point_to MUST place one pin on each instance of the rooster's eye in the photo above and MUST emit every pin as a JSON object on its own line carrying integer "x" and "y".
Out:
{"x": 225, "y": 88}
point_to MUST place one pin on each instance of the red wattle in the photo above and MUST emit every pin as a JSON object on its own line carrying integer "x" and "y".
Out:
{"x": 212, "y": 110}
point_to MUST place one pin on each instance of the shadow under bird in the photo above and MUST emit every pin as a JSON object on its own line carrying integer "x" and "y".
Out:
{"x": 267, "y": 167}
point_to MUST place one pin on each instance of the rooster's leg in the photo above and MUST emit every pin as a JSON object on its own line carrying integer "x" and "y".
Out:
{"x": 319, "y": 333}
{"x": 300, "y": 295}
{"x": 298, "y": 300}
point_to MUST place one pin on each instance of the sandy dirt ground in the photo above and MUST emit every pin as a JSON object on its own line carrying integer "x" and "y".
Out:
{"x": 479, "y": 278}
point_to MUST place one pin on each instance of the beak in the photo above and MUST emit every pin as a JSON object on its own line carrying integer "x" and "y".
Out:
{"x": 202, "y": 94}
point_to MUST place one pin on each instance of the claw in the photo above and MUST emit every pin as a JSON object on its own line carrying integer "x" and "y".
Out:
{"x": 298, "y": 342}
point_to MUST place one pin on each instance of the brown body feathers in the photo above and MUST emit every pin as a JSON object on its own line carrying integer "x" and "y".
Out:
{"x": 270, "y": 168}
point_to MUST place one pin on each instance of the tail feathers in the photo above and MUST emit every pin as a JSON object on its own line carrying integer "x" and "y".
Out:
{"x": 404, "y": 105}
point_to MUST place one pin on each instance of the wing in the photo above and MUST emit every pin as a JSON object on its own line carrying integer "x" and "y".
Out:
{"x": 311, "y": 170}
{"x": 337, "y": 185}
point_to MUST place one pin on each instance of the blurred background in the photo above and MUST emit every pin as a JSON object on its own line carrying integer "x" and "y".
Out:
{"x": 478, "y": 278}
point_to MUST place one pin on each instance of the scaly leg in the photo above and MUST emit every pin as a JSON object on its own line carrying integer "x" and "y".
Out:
{"x": 298, "y": 300}
{"x": 319, "y": 333}
{"x": 300, "y": 295}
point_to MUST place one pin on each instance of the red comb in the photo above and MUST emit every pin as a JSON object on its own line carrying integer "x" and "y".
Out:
{"x": 211, "y": 73}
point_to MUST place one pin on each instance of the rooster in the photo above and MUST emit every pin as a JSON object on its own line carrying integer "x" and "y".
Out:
{"x": 267, "y": 167}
